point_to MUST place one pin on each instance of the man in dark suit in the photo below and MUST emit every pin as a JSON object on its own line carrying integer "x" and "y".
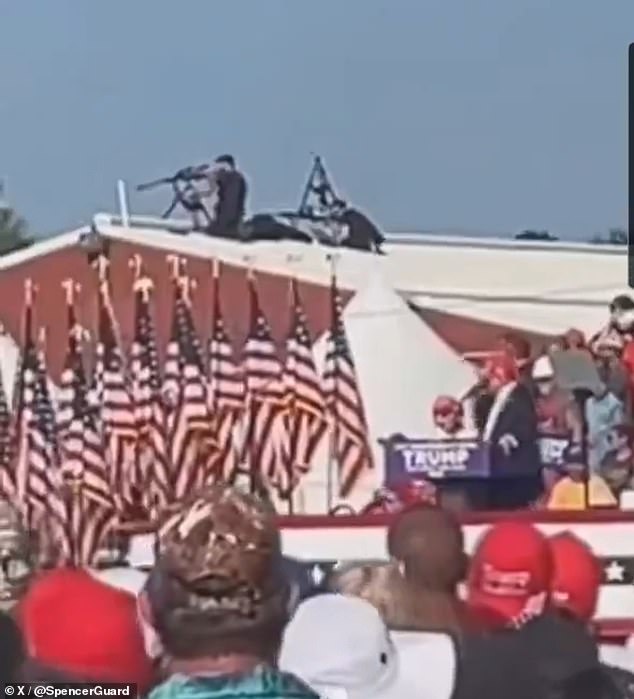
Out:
{"x": 228, "y": 187}
{"x": 511, "y": 433}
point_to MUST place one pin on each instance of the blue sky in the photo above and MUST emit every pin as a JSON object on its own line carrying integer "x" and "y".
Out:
{"x": 489, "y": 115}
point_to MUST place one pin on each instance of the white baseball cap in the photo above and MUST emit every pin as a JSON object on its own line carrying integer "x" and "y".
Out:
{"x": 340, "y": 646}
{"x": 543, "y": 368}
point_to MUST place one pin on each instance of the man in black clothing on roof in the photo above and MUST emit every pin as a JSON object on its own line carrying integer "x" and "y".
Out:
{"x": 228, "y": 189}
{"x": 362, "y": 233}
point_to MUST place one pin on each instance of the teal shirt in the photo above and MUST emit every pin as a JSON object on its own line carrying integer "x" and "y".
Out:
{"x": 602, "y": 416}
{"x": 262, "y": 683}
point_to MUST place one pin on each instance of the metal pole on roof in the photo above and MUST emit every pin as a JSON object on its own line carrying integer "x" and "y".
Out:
{"x": 122, "y": 199}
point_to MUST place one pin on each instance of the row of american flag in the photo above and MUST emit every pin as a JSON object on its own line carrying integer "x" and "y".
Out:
{"x": 135, "y": 433}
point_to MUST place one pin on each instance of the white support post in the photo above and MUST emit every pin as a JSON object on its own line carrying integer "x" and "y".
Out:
{"x": 122, "y": 199}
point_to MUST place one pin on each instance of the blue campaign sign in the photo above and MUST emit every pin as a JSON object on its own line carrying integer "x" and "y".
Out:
{"x": 434, "y": 459}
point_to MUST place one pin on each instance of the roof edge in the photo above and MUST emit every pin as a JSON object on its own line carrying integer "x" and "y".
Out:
{"x": 433, "y": 240}
{"x": 166, "y": 239}
{"x": 42, "y": 247}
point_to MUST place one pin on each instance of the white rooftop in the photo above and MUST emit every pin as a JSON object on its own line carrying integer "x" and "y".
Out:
{"x": 543, "y": 285}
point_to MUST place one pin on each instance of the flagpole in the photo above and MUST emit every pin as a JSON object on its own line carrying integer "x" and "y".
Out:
{"x": 249, "y": 413}
{"x": 27, "y": 328}
{"x": 334, "y": 432}
{"x": 210, "y": 364}
{"x": 40, "y": 349}
{"x": 257, "y": 484}
{"x": 102, "y": 265}
{"x": 73, "y": 485}
{"x": 143, "y": 286}
{"x": 292, "y": 282}
{"x": 215, "y": 304}
{"x": 177, "y": 266}
{"x": 41, "y": 340}
{"x": 41, "y": 352}
{"x": 18, "y": 402}
{"x": 100, "y": 303}
{"x": 136, "y": 265}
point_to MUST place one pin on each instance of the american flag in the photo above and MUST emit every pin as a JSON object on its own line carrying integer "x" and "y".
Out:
{"x": 151, "y": 420}
{"x": 350, "y": 449}
{"x": 111, "y": 393}
{"x": 265, "y": 435}
{"x": 40, "y": 490}
{"x": 306, "y": 417}
{"x": 227, "y": 388}
{"x": 90, "y": 507}
{"x": 7, "y": 448}
{"x": 193, "y": 447}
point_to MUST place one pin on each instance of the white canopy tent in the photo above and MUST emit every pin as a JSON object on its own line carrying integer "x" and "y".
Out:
{"x": 402, "y": 366}
{"x": 9, "y": 363}
{"x": 551, "y": 318}
{"x": 9, "y": 366}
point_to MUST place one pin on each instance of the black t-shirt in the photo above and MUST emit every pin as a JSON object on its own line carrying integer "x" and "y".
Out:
{"x": 549, "y": 658}
{"x": 232, "y": 195}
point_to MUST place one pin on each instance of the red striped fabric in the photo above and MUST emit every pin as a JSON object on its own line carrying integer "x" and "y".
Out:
{"x": 7, "y": 448}
{"x": 39, "y": 483}
{"x": 306, "y": 416}
{"x": 265, "y": 434}
{"x": 90, "y": 502}
{"x": 193, "y": 447}
{"x": 153, "y": 476}
{"x": 349, "y": 433}
{"x": 112, "y": 395}
{"x": 227, "y": 390}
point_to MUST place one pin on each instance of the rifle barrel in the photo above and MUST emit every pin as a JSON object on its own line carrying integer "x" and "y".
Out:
{"x": 154, "y": 183}
{"x": 187, "y": 174}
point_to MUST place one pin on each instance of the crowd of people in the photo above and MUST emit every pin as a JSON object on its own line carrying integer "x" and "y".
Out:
{"x": 222, "y": 613}
{"x": 558, "y": 424}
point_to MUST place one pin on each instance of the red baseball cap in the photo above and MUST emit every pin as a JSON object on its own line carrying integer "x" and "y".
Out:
{"x": 577, "y": 576}
{"x": 510, "y": 574}
{"x": 76, "y": 624}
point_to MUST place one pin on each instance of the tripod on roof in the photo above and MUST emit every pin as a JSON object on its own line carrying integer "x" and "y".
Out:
{"x": 320, "y": 202}
{"x": 319, "y": 199}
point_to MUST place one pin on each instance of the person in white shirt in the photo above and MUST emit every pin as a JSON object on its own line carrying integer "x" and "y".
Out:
{"x": 342, "y": 649}
{"x": 618, "y": 656}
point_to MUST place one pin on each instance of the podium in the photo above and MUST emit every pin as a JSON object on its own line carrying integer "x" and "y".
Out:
{"x": 459, "y": 468}
{"x": 433, "y": 459}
